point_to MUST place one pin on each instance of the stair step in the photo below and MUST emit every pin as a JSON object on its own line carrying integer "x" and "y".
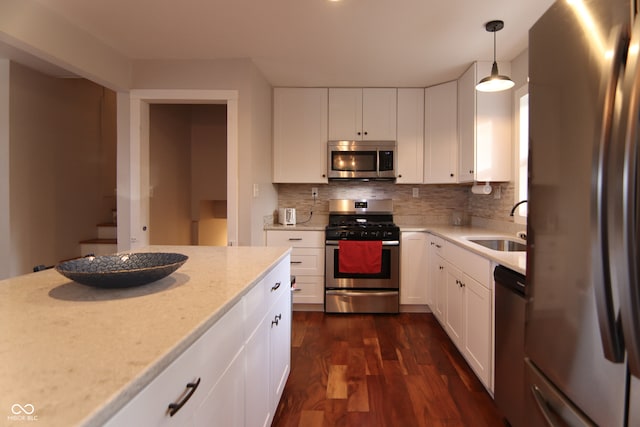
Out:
{"x": 107, "y": 230}
{"x": 98, "y": 247}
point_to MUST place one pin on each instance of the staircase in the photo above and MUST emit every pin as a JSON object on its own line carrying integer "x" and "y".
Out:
{"x": 106, "y": 243}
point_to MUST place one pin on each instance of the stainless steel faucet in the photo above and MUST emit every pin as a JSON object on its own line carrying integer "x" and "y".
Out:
{"x": 513, "y": 210}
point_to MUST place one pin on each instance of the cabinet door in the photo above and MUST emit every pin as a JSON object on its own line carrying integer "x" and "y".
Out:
{"x": 478, "y": 329}
{"x": 413, "y": 268}
{"x": 441, "y": 134}
{"x": 300, "y": 135}
{"x": 484, "y": 128}
{"x": 410, "y": 136}
{"x": 258, "y": 399}
{"x": 225, "y": 405}
{"x": 379, "y": 114}
{"x": 493, "y": 129}
{"x": 454, "y": 311}
{"x": 440, "y": 289}
{"x": 467, "y": 124}
{"x": 280, "y": 346}
{"x": 345, "y": 114}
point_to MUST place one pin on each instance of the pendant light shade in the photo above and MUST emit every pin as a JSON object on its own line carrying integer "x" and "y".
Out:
{"x": 494, "y": 82}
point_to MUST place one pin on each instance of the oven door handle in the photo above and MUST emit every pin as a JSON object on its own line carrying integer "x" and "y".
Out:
{"x": 384, "y": 242}
{"x": 360, "y": 293}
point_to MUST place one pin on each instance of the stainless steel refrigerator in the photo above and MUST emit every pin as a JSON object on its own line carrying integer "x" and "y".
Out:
{"x": 582, "y": 339}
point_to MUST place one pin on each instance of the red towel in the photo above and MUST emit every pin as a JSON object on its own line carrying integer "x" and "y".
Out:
{"x": 360, "y": 256}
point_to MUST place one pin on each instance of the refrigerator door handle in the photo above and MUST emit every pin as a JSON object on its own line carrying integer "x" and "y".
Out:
{"x": 610, "y": 333}
{"x": 623, "y": 211}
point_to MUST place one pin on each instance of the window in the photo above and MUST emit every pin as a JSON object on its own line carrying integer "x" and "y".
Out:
{"x": 521, "y": 152}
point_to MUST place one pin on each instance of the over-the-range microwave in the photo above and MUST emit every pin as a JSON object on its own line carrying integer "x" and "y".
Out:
{"x": 362, "y": 159}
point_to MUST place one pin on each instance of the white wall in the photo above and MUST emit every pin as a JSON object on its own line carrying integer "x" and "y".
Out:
{"x": 31, "y": 27}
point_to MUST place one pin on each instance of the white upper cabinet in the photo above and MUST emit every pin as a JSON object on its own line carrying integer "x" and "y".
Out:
{"x": 484, "y": 127}
{"x": 362, "y": 114}
{"x": 441, "y": 134}
{"x": 300, "y": 135}
{"x": 410, "y": 135}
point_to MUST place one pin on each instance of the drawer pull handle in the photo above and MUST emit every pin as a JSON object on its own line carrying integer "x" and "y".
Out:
{"x": 275, "y": 287}
{"x": 276, "y": 320}
{"x": 296, "y": 262}
{"x": 295, "y": 239}
{"x": 175, "y": 407}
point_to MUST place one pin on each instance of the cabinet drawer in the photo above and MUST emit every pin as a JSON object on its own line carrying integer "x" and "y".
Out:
{"x": 206, "y": 359}
{"x": 310, "y": 290}
{"x": 437, "y": 244}
{"x": 277, "y": 282}
{"x": 472, "y": 264}
{"x": 295, "y": 238}
{"x": 262, "y": 296}
{"x": 307, "y": 261}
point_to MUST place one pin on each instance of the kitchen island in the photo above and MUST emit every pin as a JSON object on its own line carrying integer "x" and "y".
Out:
{"x": 75, "y": 355}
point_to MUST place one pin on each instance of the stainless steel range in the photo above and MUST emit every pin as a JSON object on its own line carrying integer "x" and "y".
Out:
{"x": 362, "y": 261}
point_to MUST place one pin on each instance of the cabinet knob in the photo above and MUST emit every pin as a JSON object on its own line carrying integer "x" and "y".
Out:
{"x": 359, "y": 133}
{"x": 324, "y": 175}
{"x": 276, "y": 319}
{"x": 366, "y": 133}
{"x": 451, "y": 175}
{"x": 471, "y": 171}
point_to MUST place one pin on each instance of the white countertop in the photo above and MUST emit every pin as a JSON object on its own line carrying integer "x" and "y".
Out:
{"x": 78, "y": 354}
{"x": 516, "y": 261}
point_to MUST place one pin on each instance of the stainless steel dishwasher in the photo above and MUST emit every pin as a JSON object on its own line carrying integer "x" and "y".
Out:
{"x": 509, "y": 388}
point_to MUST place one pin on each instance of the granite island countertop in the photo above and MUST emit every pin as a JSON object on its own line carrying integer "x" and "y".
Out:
{"x": 77, "y": 354}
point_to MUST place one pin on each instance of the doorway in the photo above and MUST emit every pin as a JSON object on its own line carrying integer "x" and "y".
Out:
{"x": 134, "y": 187}
{"x": 188, "y": 174}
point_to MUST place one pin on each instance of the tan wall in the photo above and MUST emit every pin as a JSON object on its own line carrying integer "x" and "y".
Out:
{"x": 188, "y": 174}
{"x": 60, "y": 147}
{"x": 254, "y": 126}
{"x": 170, "y": 174}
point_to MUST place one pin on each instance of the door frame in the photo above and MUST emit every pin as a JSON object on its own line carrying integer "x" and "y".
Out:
{"x": 133, "y": 158}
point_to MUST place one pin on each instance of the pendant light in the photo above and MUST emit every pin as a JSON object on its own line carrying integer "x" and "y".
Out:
{"x": 495, "y": 82}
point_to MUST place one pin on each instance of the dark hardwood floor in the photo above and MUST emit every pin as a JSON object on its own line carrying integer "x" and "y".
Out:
{"x": 379, "y": 370}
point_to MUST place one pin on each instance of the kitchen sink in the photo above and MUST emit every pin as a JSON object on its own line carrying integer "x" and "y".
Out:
{"x": 500, "y": 244}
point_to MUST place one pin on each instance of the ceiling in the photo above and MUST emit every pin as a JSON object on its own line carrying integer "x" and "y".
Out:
{"x": 314, "y": 42}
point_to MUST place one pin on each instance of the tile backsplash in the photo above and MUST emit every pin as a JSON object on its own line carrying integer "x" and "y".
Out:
{"x": 434, "y": 204}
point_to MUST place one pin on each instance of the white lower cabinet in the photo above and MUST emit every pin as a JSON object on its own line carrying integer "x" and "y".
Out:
{"x": 279, "y": 348}
{"x": 233, "y": 375}
{"x": 478, "y": 330}
{"x": 454, "y": 306}
{"x": 413, "y": 268}
{"x": 463, "y": 303}
{"x": 436, "y": 274}
{"x": 307, "y": 262}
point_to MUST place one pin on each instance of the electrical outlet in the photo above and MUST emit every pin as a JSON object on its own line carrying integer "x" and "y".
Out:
{"x": 497, "y": 193}
{"x": 416, "y": 192}
{"x": 314, "y": 191}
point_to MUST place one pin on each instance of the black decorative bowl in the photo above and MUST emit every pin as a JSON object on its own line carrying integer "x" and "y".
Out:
{"x": 121, "y": 271}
